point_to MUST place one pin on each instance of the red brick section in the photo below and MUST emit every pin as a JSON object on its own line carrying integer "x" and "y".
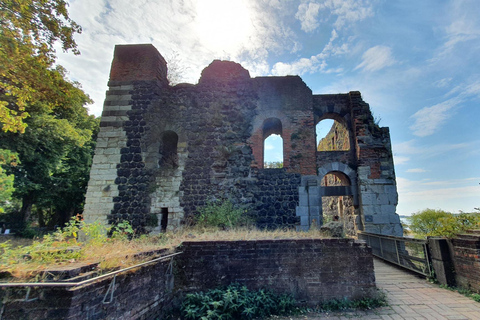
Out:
{"x": 298, "y": 143}
{"x": 369, "y": 153}
{"x": 137, "y": 63}
{"x": 302, "y": 149}
{"x": 312, "y": 270}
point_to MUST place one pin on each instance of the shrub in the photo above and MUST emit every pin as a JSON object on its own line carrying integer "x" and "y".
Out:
{"x": 235, "y": 302}
{"x": 222, "y": 214}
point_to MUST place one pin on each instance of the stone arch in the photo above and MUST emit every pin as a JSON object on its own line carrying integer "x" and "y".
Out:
{"x": 341, "y": 179}
{"x": 272, "y": 126}
{"x": 338, "y": 167}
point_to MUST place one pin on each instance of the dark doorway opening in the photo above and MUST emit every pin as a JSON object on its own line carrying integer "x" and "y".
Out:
{"x": 164, "y": 221}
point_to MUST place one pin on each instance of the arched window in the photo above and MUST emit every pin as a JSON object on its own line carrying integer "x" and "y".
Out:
{"x": 168, "y": 150}
{"x": 332, "y": 136}
{"x": 272, "y": 143}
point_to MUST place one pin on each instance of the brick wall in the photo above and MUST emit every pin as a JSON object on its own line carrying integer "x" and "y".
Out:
{"x": 313, "y": 270}
{"x": 466, "y": 259}
{"x": 140, "y": 294}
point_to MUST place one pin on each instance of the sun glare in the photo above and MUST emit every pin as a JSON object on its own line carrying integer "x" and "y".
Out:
{"x": 223, "y": 25}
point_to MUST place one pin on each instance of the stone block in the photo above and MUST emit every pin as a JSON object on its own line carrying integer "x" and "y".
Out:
{"x": 304, "y": 221}
{"x": 394, "y": 218}
{"x": 303, "y": 200}
{"x": 382, "y": 199}
{"x": 393, "y": 198}
{"x": 368, "y": 210}
{"x": 388, "y": 209}
{"x": 368, "y": 199}
{"x": 301, "y": 211}
{"x": 314, "y": 200}
{"x": 315, "y": 211}
{"x": 381, "y": 219}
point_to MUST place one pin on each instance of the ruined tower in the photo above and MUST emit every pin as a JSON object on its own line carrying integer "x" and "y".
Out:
{"x": 164, "y": 151}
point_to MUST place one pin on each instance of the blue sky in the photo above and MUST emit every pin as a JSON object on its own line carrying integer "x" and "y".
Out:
{"x": 415, "y": 62}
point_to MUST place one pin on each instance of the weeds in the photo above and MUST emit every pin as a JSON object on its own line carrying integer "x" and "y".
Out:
{"x": 467, "y": 293}
{"x": 235, "y": 302}
{"x": 363, "y": 304}
{"x": 63, "y": 247}
{"x": 221, "y": 214}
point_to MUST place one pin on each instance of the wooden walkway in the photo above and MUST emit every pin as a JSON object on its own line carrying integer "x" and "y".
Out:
{"x": 409, "y": 297}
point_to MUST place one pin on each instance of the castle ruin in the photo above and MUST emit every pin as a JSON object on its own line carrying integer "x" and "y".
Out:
{"x": 164, "y": 151}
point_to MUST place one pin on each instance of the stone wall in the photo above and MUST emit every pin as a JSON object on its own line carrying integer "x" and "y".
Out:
{"x": 163, "y": 152}
{"x": 312, "y": 270}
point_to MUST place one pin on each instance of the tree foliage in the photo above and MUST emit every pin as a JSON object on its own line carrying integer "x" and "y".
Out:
{"x": 7, "y": 159}
{"x": 29, "y": 30}
{"x": 273, "y": 165}
{"x": 439, "y": 223}
{"x": 42, "y": 114}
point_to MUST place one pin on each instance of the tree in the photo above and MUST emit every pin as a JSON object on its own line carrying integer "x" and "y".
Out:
{"x": 273, "y": 165}
{"x": 42, "y": 113}
{"x": 48, "y": 149}
{"x": 439, "y": 223}
{"x": 29, "y": 30}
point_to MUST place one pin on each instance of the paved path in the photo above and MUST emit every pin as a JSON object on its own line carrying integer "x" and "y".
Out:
{"x": 409, "y": 297}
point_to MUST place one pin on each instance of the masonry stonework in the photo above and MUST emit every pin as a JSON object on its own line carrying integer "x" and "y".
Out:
{"x": 164, "y": 151}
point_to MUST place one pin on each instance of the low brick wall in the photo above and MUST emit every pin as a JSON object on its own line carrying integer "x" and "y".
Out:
{"x": 139, "y": 294}
{"x": 466, "y": 259}
{"x": 312, "y": 270}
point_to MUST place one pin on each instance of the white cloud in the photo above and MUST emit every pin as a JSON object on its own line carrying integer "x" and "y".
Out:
{"x": 412, "y": 147}
{"x": 314, "y": 63}
{"x": 344, "y": 12}
{"x": 399, "y": 160}
{"x": 416, "y": 170}
{"x": 443, "y": 83}
{"x": 269, "y": 147}
{"x": 376, "y": 58}
{"x": 307, "y": 14}
{"x": 460, "y": 27}
{"x": 429, "y": 119}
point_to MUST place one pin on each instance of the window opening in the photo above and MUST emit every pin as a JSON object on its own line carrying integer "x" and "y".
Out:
{"x": 272, "y": 143}
{"x": 332, "y": 136}
{"x": 273, "y": 152}
{"x": 168, "y": 150}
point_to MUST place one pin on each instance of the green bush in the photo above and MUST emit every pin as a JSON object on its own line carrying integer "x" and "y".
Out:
{"x": 439, "y": 223}
{"x": 221, "y": 214}
{"x": 235, "y": 302}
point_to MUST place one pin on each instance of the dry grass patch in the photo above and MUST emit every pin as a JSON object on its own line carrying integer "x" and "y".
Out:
{"x": 64, "y": 250}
